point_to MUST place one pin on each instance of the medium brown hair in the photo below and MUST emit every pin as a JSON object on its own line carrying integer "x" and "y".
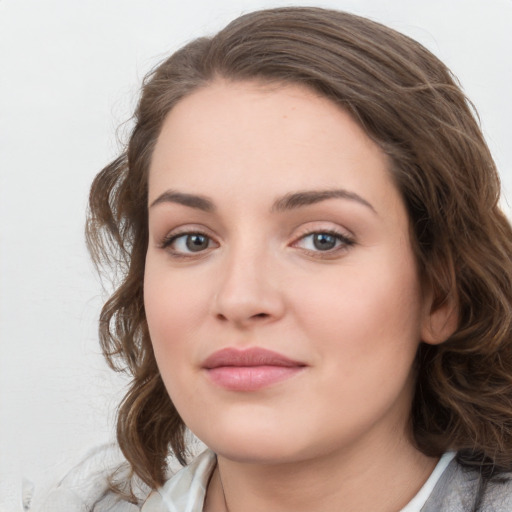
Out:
{"x": 409, "y": 103}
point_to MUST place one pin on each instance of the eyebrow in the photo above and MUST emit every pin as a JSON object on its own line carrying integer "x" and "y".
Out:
{"x": 287, "y": 202}
{"x": 190, "y": 200}
{"x": 308, "y": 197}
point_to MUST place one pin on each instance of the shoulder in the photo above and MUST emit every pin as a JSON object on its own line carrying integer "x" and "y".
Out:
{"x": 497, "y": 496}
{"x": 463, "y": 489}
{"x": 86, "y": 487}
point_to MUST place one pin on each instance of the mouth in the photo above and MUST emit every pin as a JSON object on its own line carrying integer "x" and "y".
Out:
{"x": 250, "y": 369}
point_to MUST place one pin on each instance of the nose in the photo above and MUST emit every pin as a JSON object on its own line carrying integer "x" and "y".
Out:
{"x": 249, "y": 291}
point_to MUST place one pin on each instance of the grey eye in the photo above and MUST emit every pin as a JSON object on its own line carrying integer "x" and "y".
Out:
{"x": 188, "y": 243}
{"x": 196, "y": 242}
{"x": 324, "y": 241}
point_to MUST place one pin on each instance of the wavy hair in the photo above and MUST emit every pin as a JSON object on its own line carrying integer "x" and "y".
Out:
{"x": 411, "y": 105}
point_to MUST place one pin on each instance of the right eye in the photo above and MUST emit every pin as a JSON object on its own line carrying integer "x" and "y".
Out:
{"x": 188, "y": 243}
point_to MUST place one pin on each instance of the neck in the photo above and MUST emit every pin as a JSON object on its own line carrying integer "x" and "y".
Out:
{"x": 382, "y": 480}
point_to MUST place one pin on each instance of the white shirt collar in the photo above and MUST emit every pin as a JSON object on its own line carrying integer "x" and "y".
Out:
{"x": 186, "y": 490}
{"x": 416, "y": 504}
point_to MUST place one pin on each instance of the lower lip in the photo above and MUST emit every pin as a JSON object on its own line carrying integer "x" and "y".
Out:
{"x": 251, "y": 378}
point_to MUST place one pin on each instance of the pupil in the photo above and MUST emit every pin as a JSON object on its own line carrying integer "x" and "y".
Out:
{"x": 324, "y": 241}
{"x": 197, "y": 242}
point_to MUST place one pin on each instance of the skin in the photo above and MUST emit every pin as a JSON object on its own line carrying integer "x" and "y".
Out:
{"x": 336, "y": 435}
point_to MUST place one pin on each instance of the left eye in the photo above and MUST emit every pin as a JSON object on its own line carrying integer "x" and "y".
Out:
{"x": 189, "y": 242}
{"x": 323, "y": 241}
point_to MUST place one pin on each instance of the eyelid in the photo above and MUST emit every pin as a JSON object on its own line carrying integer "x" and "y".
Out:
{"x": 346, "y": 238}
{"x": 182, "y": 231}
{"x": 340, "y": 236}
{"x": 312, "y": 227}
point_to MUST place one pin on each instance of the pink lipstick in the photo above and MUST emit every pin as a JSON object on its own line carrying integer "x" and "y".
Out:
{"x": 250, "y": 369}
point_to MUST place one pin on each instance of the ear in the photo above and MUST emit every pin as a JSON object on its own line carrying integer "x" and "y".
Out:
{"x": 439, "y": 322}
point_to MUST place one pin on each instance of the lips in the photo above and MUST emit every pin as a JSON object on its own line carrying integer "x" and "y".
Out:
{"x": 250, "y": 369}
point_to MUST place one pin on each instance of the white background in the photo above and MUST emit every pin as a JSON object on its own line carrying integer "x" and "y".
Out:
{"x": 69, "y": 76}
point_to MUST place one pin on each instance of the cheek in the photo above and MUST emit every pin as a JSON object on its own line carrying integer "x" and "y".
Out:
{"x": 369, "y": 316}
{"x": 174, "y": 309}
{"x": 365, "y": 331}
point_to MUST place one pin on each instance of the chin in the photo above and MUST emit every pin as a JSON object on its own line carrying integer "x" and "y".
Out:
{"x": 239, "y": 430}
{"x": 258, "y": 452}
{"x": 258, "y": 445}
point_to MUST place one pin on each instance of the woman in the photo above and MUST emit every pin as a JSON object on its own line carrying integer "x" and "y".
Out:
{"x": 317, "y": 278}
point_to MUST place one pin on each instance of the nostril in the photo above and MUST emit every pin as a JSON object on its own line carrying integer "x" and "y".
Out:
{"x": 257, "y": 316}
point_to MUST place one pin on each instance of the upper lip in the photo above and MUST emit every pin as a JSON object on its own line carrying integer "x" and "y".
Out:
{"x": 248, "y": 357}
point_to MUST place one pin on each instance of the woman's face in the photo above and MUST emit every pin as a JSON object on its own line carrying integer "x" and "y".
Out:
{"x": 281, "y": 290}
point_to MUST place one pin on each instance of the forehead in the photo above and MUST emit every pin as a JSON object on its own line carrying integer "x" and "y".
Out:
{"x": 246, "y": 138}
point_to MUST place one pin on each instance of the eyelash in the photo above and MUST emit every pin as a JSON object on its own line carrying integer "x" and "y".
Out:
{"x": 169, "y": 240}
{"x": 343, "y": 243}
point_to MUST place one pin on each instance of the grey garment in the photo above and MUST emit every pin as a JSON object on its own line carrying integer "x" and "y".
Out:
{"x": 459, "y": 488}
{"x": 86, "y": 488}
